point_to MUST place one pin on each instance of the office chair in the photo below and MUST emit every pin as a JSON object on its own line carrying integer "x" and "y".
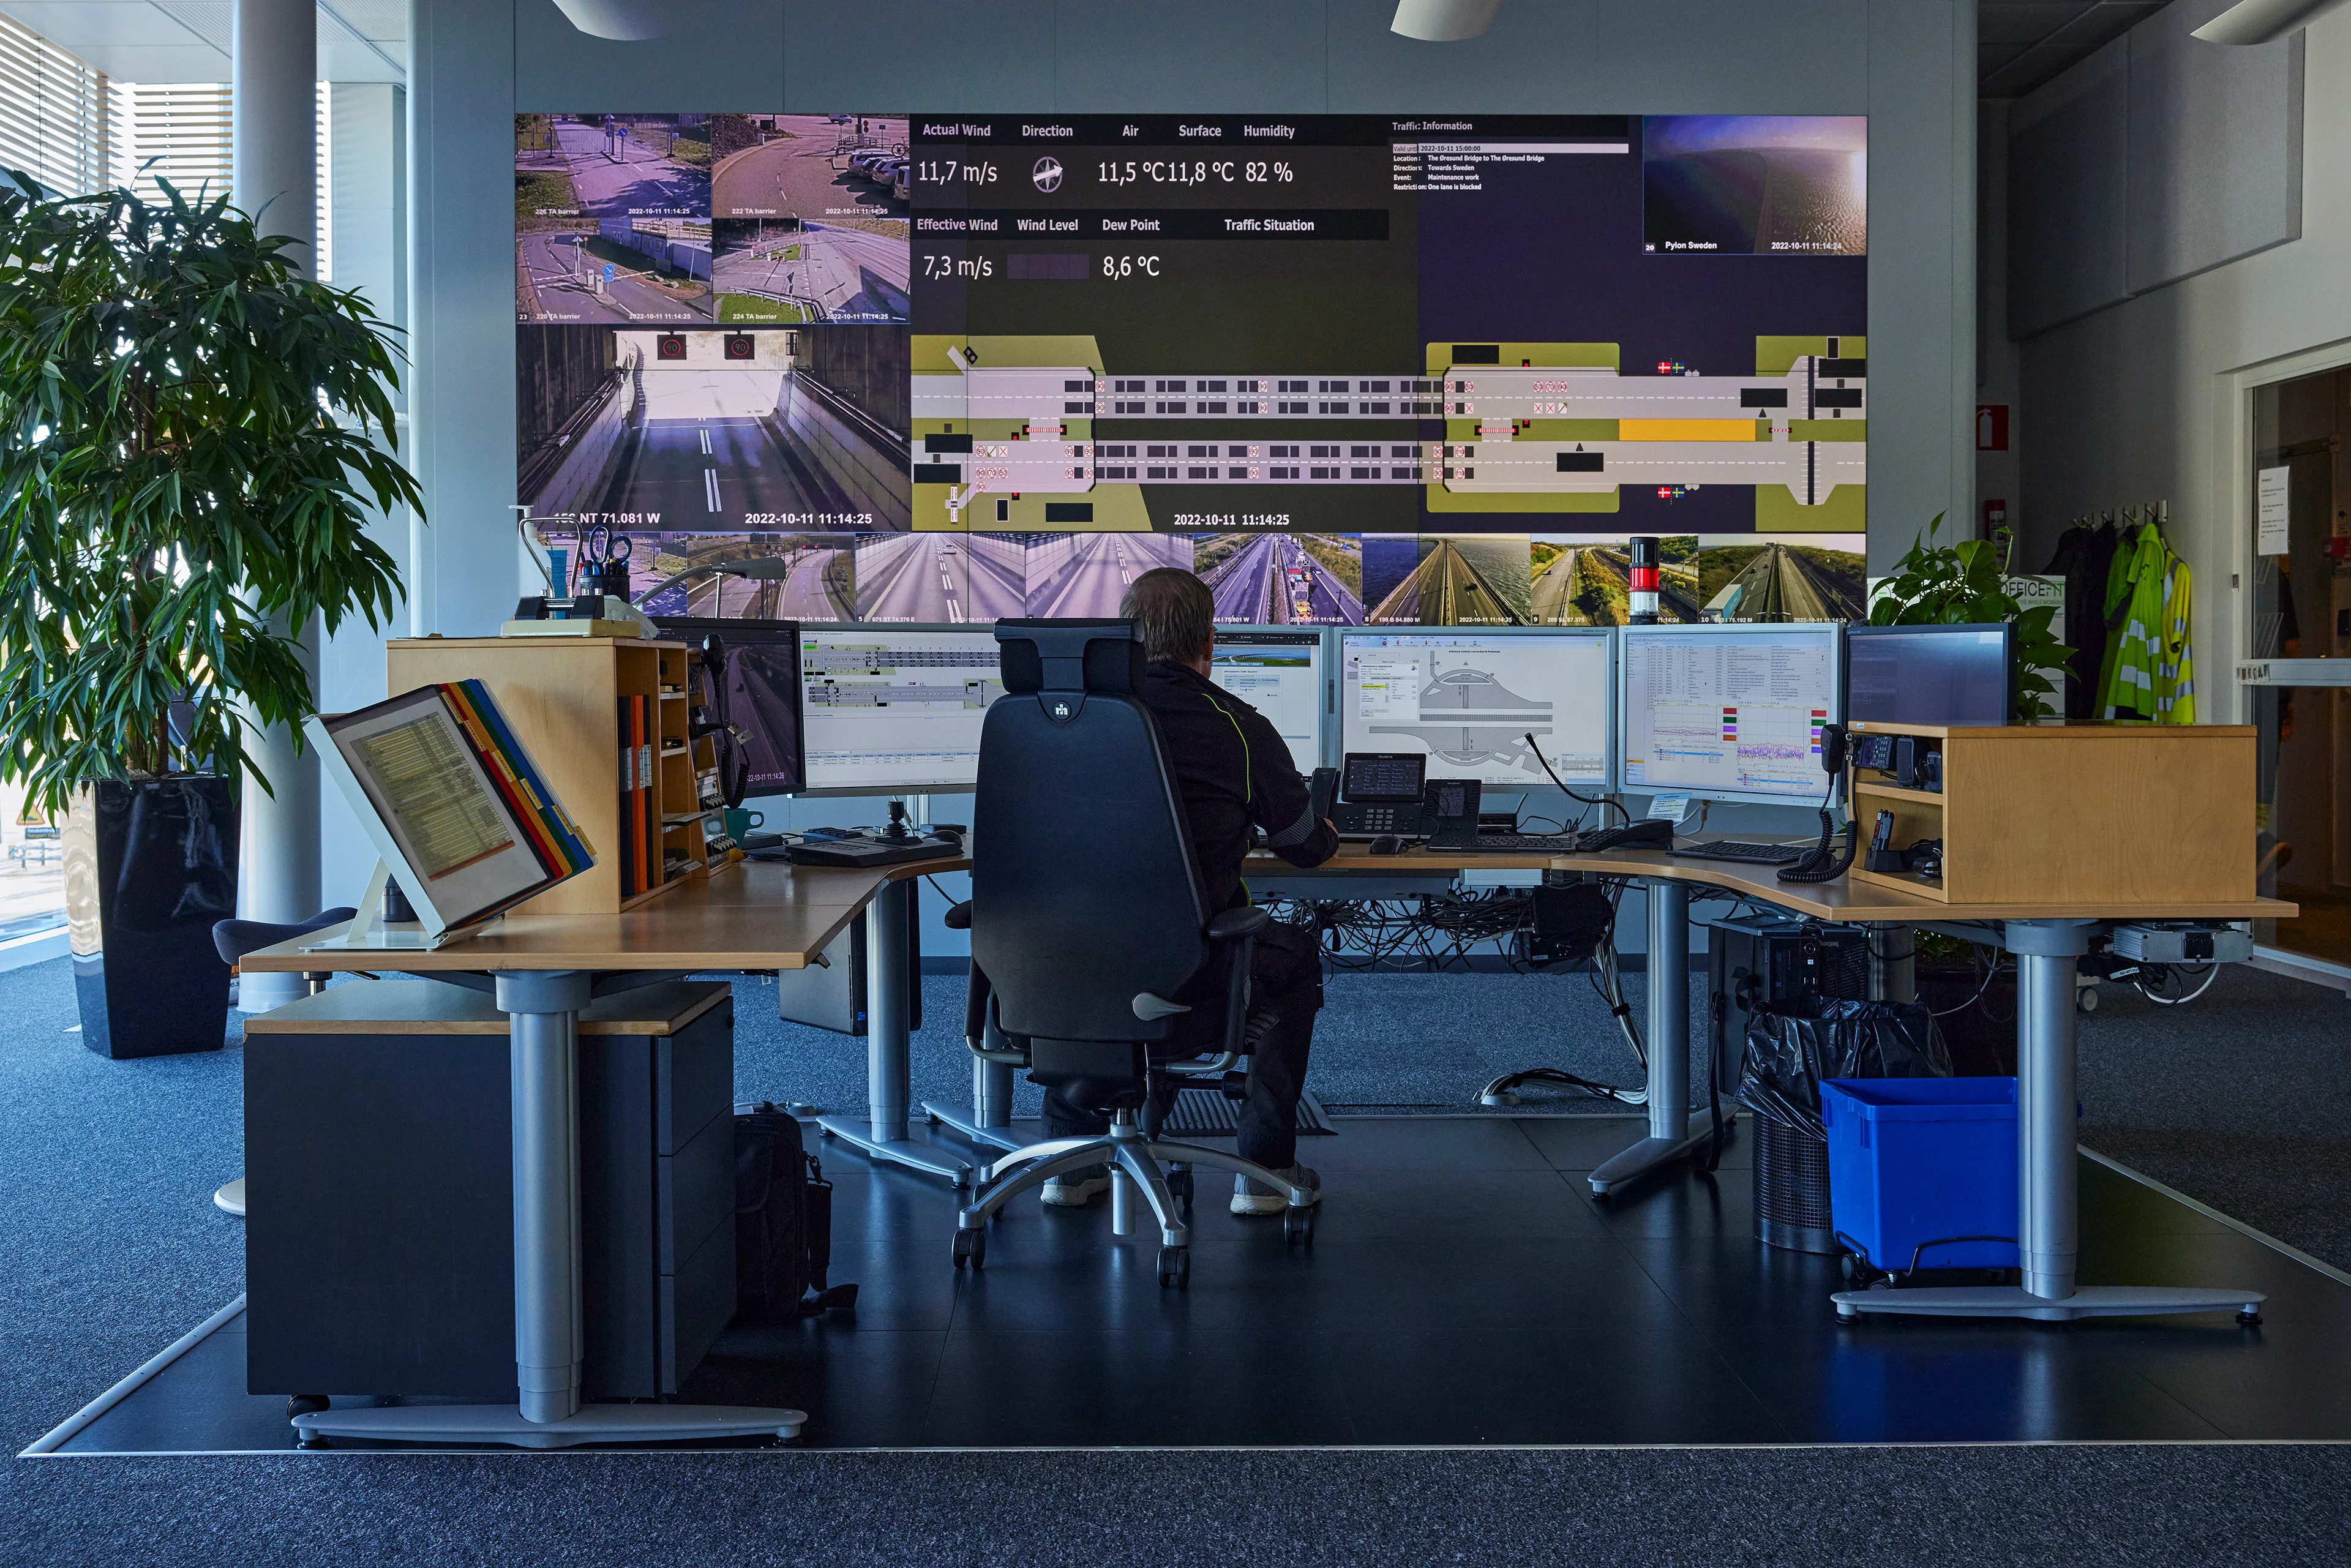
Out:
{"x": 1090, "y": 931}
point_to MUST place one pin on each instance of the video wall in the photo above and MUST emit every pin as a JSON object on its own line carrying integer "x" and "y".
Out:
{"x": 1350, "y": 370}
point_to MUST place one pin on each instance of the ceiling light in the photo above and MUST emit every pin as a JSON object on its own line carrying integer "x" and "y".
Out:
{"x": 1443, "y": 21}
{"x": 625, "y": 21}
{"x": 2259, "y": 21}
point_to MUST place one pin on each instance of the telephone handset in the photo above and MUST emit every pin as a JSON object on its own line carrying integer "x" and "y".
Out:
{"x": 1821, "y": 863}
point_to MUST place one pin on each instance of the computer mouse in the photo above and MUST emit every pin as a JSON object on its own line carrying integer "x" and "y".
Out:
{"x": 1386, "y": 845}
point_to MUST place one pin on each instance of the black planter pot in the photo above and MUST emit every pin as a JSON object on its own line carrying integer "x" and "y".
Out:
{"x": 149, "y": 865}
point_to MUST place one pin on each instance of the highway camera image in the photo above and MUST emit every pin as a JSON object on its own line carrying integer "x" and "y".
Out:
{"x": 814, "y": 222}
{"x": 782, "y": 431}
{"x": 1587, "y": 582}
{"x": 1816, "y": 578}
{"x": 1274, "y": 579}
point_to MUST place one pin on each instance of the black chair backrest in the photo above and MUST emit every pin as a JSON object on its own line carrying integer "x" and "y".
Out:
{"x": 1084, "y": 890}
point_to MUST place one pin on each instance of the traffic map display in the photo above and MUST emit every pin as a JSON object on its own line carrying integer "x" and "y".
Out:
{"x": 1350, "y": 370}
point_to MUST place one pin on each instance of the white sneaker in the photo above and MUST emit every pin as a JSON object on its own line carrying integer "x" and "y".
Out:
{"x": 1077, "y": 1188}
{"x": 1256, "y": 1198}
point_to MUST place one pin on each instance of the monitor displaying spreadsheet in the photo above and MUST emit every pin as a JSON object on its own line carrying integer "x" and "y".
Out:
{"x": 1470, "y": 700}
{"x": 1730, "y": 713}
{"x": 894, "y": 708}
{"x": 1278, "y": 672}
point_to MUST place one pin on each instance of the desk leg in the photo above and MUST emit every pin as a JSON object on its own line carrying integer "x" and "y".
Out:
{"x": 1674, "y": 1133}
{"x": 2048, "y": 1169}
{"x": 889, "y": 1047}
{"x": 543, "y": 1051}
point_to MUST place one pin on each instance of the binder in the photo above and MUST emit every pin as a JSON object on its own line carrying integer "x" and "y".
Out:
{"x": 648, "y": 832}
{"x": 624, "y": 775}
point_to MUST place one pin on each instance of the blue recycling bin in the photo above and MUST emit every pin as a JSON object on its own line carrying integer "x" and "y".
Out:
{"x": 1918, "y": 1162}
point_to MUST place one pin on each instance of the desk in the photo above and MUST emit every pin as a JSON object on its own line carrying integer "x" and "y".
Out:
{"x": 543, "y": 969}
{"x": 2046, "y": 940}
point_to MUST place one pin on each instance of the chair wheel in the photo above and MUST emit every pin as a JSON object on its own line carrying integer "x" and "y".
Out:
{"x": 1179, "y": 1183}
{"x": 2085, "y": 998}
{"x": 1174, "y": 1267}
{"x": 971, "y": 1249}
{"x": 304, "y": 1405}
{"x": 2250, "y": 1320}
{"x": 1297, "y": 1226}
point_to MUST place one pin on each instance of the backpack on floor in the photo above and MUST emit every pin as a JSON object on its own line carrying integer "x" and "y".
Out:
{"x": 783, "y": 1223}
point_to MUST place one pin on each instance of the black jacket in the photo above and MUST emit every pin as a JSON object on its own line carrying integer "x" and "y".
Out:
{"x": 1234, "y": 772}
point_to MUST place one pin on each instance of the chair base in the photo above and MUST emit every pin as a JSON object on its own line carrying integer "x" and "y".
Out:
{"x": 1135, "y": 1164}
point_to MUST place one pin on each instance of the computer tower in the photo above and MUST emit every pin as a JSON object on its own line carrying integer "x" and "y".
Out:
{"x": 832, "y": 995}
{"x": 1751, "y": 960}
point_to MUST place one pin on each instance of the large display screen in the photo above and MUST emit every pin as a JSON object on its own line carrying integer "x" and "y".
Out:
{"x": 1352, "y": 370}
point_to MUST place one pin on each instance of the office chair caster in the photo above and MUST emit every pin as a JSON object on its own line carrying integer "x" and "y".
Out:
{"x": 1179, "y": 1183}
{"x": 1297, "y": 1227}
{"x": 971, "y": 1249}
{"x": 2248, "y": 1319}
{"x": 304, "y": 1405}
{"x": 1174, "y": 1267}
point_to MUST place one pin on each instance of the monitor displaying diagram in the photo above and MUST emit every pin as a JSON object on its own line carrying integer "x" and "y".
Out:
{"x": 895, "y": 707}
{"x": 1471, "y": 700}
{"x": 1731, "y": 713}
{"x": 1280, "y": 673}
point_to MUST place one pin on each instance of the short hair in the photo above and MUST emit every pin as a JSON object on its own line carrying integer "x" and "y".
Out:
{"x": 1174, "y": 613}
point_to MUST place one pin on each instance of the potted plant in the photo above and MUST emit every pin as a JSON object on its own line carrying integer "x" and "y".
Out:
{"x": 1962, "y": 584}
{"x": 191, "y": 435}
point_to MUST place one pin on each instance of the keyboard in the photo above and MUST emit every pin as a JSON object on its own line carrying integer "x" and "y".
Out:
{"x": 1508, "y": 844}
{"x": 1750, "y": 854}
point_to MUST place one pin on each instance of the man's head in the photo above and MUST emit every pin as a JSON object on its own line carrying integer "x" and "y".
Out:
{"x": 1174, "y": 614}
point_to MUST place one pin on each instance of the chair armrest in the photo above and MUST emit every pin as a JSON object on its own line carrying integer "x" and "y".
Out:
{"x": 1235, "y": 923}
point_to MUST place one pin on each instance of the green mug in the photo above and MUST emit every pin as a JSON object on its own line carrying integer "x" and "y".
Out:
{"x": 739, "y": 823}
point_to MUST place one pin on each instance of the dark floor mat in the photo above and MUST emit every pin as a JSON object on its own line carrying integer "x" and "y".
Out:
{"x": 1207, "y": 1114}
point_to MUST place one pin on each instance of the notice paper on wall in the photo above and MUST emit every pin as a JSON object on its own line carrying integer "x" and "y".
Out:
{"x": 2270, "y": 523}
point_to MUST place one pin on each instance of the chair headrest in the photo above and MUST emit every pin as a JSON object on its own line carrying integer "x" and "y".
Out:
{"x": 1070, "y": 656}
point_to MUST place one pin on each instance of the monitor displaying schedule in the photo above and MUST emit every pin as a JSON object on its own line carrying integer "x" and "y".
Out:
{"x": 1471, "y": 699}
{"x": 1280, "y": 673}
{"x": 895, "y": 707}
{"x": 1727, "y": 712}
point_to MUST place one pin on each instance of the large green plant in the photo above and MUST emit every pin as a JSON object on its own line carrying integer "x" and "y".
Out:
{"x": 1962, "y": 583}
{"x": 191, "y": 435}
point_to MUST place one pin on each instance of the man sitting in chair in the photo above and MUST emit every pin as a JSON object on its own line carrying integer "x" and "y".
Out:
{"x": 1233, "y": 771}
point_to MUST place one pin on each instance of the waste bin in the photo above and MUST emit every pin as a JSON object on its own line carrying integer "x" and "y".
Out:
{"x": 1792, "y": 1048}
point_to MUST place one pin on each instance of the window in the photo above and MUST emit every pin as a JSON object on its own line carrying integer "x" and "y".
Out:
{"x": 52, "y": 113}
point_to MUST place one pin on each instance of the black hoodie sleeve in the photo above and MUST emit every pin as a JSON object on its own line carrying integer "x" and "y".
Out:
{"x": 1279, "y": 802}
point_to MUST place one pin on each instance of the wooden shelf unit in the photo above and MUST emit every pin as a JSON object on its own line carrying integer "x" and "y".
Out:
{"x": 562, "y": 697}
{"x": 2040, "y": 814}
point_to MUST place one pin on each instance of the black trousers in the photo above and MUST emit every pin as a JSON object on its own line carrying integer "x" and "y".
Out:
{"x": 1285, "y": 993}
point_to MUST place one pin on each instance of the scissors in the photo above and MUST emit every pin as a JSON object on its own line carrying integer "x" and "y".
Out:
{"x": 598, "y": 548}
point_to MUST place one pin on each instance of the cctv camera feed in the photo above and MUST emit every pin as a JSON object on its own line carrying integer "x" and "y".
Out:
{"x": 1352, "y": 370}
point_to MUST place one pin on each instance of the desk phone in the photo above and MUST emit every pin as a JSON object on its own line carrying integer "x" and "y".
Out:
{"x": 1380, "y": 793}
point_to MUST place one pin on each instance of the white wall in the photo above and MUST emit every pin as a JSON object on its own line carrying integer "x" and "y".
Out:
{"x": 2141, "y": 401}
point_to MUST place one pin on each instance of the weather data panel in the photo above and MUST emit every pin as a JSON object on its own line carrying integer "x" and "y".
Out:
{"x": 1360, "y": 324}
{"x": 1729, "y": 711}
{"x": 1486, "y": 706}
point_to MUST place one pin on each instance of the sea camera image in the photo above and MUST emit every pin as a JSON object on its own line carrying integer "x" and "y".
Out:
{"x": 1458, "y": 579}
{"x": 1732, "y": 184}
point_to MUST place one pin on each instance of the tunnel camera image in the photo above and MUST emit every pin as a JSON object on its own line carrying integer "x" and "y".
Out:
{"x": 778, "y": 431}
{"x": 1755, "y": 184}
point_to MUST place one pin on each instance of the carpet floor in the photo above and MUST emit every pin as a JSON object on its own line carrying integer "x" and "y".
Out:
{"x": 110, "y": 1249}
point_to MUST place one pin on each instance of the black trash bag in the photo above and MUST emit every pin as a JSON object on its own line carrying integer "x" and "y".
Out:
{"x": 1791, "y": 1045}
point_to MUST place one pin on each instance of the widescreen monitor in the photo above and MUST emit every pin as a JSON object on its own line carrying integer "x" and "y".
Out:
{"x": 1469, "y": 700}
{"x": 1277, "y": 670}
{"x": 895, "y": 709}
{"x": 1730, "y": 713}
{"x": 1930, "y": 675}
{"x": 761, "y": 695}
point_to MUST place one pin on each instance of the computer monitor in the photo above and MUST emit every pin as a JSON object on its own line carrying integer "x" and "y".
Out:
{"x": 1930, "y": 675}
{"x": 1470, "y": 698}
{"x": 1277, "y": 670}
{"x": 894, "y": 709}
{"x": 1730, "y": 713}
{"x": 761, "y": 695}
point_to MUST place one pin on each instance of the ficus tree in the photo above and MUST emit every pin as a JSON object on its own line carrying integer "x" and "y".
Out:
{"x": 192, "y": 435}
